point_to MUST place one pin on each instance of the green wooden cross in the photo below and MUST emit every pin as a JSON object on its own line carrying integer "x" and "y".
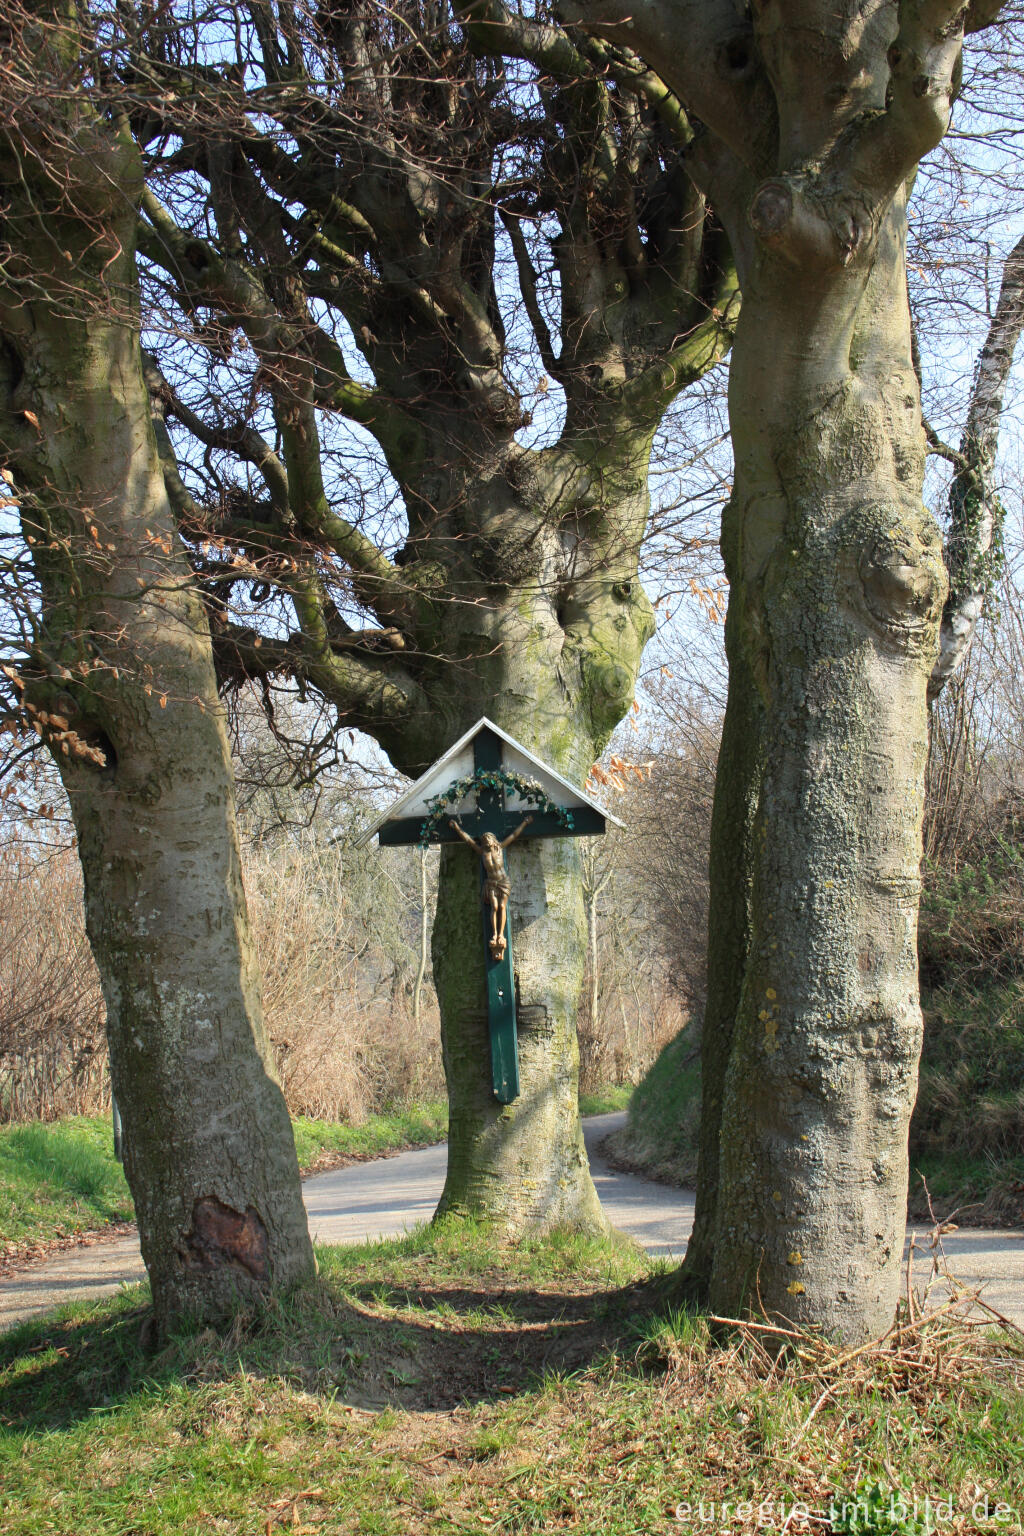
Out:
{"x": 492, "y": 815}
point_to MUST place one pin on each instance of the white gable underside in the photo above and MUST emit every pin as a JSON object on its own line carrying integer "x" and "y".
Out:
{"x": 461, "y": 766}
{"x": 457, "y": 763}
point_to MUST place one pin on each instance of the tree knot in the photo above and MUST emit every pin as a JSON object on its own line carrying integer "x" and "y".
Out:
{"x": 806, "y": 225}
{"x": 902, "y": 579}
{"x": 771, "y": 209}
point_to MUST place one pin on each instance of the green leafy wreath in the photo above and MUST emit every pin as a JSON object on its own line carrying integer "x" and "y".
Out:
{"x": 489, "y": 778}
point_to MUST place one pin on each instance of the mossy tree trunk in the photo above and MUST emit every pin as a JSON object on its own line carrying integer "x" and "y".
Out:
{"x": 816, "y": 116}
{"x": 516, "y": 594}
{"x": 560, "y": 671}
{"x": 120, "y": 684}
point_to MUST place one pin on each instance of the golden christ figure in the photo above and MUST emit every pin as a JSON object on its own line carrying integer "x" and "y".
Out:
{"x": 497, "y": 884}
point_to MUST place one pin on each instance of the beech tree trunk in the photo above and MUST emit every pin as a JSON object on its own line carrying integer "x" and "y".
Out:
{"x": 120, "y": 684}
{"x": 521, "y": 1164}
{"x": 558, "y": 677}
{"x": 816, "y": 117}
{"x": 737, "y": 787}
{"x": 838, "y": 587}
{"x": 516, "y": 592}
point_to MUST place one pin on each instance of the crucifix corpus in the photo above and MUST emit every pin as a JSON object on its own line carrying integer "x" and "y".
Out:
{"x": 489, "y": 791}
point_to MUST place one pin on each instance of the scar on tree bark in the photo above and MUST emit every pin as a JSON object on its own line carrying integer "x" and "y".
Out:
{"x": 497, "y": 884}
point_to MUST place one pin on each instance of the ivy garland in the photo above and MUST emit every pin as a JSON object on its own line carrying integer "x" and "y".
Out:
{"x": 489, "y": 778}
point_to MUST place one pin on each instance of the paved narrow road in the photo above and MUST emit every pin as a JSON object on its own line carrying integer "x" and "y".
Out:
{"x": 386, "y": 1197}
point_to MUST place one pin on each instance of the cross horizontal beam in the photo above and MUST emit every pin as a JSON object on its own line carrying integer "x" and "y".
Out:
{"x": 587, "y": 822}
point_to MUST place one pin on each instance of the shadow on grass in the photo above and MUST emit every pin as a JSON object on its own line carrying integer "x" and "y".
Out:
{"x": 375, "y": 1342}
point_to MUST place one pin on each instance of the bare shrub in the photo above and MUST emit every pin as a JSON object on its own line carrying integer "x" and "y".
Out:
{"x": 53, "y": 1058}
{"x": 646, "y": 889}
{"x": 655, "y": 892}
{"x": 338, "y": 933}
{"x": 330, "y": 926}
{"x": 333, "y": 931}
{"x": 971, "y": 935}
{"x": 964, "y": 785}
{"x": 670, "y": 828}
{"x": 635, "y": 1018}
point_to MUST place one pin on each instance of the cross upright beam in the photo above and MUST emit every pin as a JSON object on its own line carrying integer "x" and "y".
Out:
{"x": 501, "y": 977}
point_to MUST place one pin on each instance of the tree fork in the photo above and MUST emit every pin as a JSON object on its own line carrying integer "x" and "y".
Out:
{"x": 517, "y": 593}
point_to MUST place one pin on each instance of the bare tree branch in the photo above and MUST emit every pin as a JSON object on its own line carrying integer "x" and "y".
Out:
{"x": 705, "y": 51}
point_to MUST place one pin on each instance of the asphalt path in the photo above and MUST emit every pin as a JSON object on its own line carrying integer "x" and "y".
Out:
{"x": 389, "y": 1196}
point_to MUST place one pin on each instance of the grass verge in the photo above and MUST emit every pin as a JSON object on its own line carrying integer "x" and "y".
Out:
{"x": 606, "y": 1100}
{"x": 58, "y": 1179}
{"x": 323, "y": 1143}
{"x": 967, "y": 1134}
{"x": 659, "y": 1138}
{"x": 440, "y": 1384}
{"x": 983, "y": 1191}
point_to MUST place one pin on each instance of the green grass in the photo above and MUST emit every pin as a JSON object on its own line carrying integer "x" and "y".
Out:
{"x": 407, "y": 1125}
{"x": 441, "y": 1384}
{"x": 660, "y": 1135}
{"x": 604, "y": 1101}
{"x": 60, "y": 1178}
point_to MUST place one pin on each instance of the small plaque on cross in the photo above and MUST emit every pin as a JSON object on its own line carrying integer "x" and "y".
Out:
{"x": 488, "y": 790}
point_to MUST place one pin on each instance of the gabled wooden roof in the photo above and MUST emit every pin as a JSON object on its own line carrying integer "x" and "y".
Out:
{"x": 457, "y": 763}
